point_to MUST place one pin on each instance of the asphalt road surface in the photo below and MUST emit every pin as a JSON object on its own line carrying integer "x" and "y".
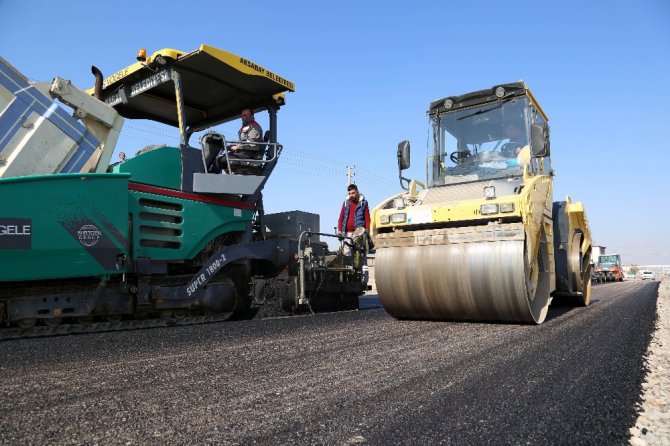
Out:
{"x": 347, "y": 378}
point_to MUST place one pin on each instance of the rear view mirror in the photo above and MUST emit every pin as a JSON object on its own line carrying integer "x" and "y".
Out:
{"x": 539, "y": 140}
{"x": 403, "y": 155}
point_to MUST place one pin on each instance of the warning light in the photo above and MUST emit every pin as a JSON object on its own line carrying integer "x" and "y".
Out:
{"x": 142, "y": 55}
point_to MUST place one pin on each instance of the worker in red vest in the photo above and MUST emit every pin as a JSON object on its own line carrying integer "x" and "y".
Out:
{"x": 355, "y": 213}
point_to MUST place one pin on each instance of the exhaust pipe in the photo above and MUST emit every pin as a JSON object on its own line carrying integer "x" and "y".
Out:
{"x": 97, "y": 90}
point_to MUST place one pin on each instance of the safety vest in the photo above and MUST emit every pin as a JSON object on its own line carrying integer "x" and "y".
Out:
{"x": 359, "y": 216}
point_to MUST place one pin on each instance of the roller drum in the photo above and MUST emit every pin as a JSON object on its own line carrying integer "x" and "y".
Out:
{"x": 475, "y": 281}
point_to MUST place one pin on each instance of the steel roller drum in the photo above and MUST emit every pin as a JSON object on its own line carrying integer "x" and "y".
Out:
{"x": 473, "y": 281}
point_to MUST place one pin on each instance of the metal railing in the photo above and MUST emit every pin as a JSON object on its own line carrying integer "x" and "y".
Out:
{"x": 269, "y": 153}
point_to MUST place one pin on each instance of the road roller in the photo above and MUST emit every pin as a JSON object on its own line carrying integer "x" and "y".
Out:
{"x": 482, "y": 238}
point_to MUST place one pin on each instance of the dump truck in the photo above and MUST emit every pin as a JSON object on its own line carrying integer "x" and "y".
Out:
{"x": 608, "y": 268}
{"x": 482, "y": 239}
{"x": 175, "y": 234}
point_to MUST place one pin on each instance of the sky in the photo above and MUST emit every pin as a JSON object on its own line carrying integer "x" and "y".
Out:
{"x": 365, "y": 73}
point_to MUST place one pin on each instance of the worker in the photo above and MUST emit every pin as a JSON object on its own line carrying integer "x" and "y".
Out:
{"x": 250, "y": 132}
{"x": 354, "y": 214}
{"x": 247, "y": 147}
{"x": 517, "y": 140}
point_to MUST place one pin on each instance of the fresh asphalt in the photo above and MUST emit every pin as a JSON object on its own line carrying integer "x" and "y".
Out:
{"x": 343, "y": 378}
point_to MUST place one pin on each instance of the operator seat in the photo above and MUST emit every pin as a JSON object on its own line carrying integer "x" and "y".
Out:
{"x": 247, "y": 168}
{"x": 212, "y": 144}
{"x": 268, "y": 147}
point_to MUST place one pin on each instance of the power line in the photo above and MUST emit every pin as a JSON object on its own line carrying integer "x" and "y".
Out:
{"x": 314, "y": 163}
{"x": 330, "y": 161}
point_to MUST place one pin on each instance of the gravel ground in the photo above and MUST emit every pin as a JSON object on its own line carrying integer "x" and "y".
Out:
{"x": 653, "y": 423}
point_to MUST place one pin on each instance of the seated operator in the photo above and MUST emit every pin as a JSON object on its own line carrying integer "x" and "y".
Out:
{"x": 249, "y": 135}
{"x": 249, "y": 132}
{"x": 462, "y": 152}
{"x": 517, "y": 140}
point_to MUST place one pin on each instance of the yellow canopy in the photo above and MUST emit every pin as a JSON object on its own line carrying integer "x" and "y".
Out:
{"x": 216, "y": 86}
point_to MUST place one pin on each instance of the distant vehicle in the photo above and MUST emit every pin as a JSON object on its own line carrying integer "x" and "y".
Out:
{"x": 647, "y": 275}
{"x": 608, "y": 269}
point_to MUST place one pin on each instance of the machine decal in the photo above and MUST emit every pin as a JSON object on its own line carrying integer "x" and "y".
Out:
{"x": 267, "y": 73}
{"x": 89, "y": 235}
{"x": 95, "y": 242}
{"x": 140, "y": 87}
{"x": 116, "y": 76}
{"x": 273, "y": 250}
{"x": 187, "y": 196}
{"x": 211, "y": 268}
{"x": 15, "y": 233}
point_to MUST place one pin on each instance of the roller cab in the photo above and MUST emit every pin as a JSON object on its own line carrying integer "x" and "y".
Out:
{"x": 482, "y": 239}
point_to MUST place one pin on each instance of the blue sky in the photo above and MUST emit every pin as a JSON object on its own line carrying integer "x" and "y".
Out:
{"x": 365, "y": 73}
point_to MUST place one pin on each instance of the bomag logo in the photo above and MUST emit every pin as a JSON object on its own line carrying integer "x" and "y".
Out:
{"x": 89, "y": 235}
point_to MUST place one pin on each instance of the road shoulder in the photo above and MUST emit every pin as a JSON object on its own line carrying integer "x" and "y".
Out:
{"x": 653, "y": 422}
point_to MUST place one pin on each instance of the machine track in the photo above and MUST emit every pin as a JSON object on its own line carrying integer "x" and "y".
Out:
{"x": 269, "y": 307}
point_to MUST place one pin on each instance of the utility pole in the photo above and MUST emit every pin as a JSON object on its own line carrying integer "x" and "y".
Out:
{"x": 350, "y": 174}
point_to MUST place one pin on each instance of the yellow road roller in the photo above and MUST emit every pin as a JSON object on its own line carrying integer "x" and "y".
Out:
{"x": 482, "y": 239}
